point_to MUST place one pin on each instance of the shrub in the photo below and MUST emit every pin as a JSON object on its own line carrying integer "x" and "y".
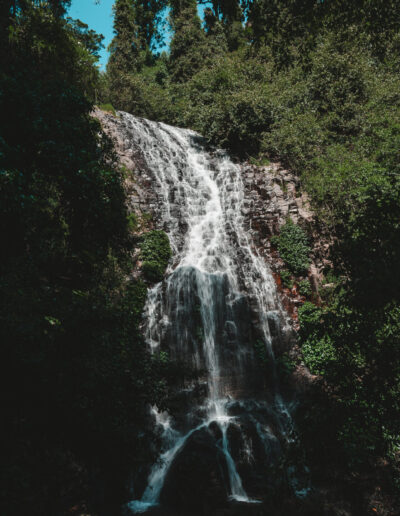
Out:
{"x": 285, "y": 366}
{"x": 109, "y": 108}
{"x": 318, "y": 354}
{"x": 153, "y": 271}
{"x": 286, "y": 279}
{"x": 305, "y": 288}
{"x": 261, "y": 352}
{"x": 132, "y": 222}
{"x": 155, "y": 253}
{"x": 293, "y": 248}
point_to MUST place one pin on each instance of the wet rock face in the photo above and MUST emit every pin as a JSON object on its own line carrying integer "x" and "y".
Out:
{"x": 197, "y": 482}
{"x": 138, "y": 179}
{"x": 272, "y": 195}
{"x": 255, "y": 454}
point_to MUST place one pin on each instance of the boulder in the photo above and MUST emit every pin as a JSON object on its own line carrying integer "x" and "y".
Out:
{"x": 197, "y": 482}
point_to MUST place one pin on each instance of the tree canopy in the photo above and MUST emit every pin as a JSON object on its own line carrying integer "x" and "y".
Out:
{"x": 75, "y": 373}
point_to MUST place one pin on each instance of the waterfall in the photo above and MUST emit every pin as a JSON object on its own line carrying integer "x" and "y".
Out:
{"x": 203, "y": 312}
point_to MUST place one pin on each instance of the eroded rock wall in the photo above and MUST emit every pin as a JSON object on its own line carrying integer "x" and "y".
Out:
{"x": 272, "y": 195}
{"x": 138, "y": 180}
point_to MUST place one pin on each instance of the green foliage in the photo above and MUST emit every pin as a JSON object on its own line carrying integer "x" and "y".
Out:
{"x": 291, "y": 29}
{"x": 155, "y": 254}
{"x": 365, "y": 215}
{"x": 330, "y": 287}
{"x": 305, "y": 288}
{"x": 261, "y": 351}
{"x": 136, "y": 33}
{"x": 294, "y": 248}
{"x": 229, "y": 102}
{"x": 147, "y": 217}
{"x": 285, "y": 366}
{"x": 148, "y": 18}
{"x": 350, "y": 348}
{"x": 109, "y": 108}
{"x": 133, "y": 222}
{"x": 185, "y": 49}
{"x": 76, "y": 374}
{"x": 319, "y": 355}
{"x": 92, "y": 41}
{"x": 260, "y": 162}
{"x": 286, "y": 278}
{"x": 125, "y": 46}
{"x": 125, "y": 54}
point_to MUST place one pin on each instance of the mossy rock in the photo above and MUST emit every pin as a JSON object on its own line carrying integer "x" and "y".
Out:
{"x": 109, "y": 108}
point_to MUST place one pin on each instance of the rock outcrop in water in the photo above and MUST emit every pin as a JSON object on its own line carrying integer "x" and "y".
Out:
{"x": 230, "y": 445}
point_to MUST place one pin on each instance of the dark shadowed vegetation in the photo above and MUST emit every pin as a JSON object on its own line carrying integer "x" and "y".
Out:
{"x": 76, "y": 375}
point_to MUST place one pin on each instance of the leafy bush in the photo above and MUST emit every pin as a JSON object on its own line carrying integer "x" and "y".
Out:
{"x": 318, "y": 355}
{"x": 317, "y": 347}
{"x": 305, "y": 288}
{"x": 286, "y": 278}
{"x": 293, "y": 248}
{"x": 228, "y": 102}
{"x": 109, "y": 108}
{"x": 285, "y": 366}
{"x": 155, "y": 253}
{"x": 133, "y": 222}
{"x": 261, "y": 352}
{"x": 348, "y": 347}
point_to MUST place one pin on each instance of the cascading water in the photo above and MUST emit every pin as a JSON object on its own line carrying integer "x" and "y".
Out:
{"x": 218, "y": 300}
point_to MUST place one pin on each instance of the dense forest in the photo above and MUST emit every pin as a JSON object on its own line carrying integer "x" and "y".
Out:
{"x": 76, "y": 377}
{"x": 313, "y": 84}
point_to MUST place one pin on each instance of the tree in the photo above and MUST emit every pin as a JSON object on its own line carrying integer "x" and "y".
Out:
{"x": 92, "y": 41}
{"x": 186, "y": 56}
{"x": 126, "y": 56}
{"x": 147, "y": 15}
{"x": 179, "y": 6}
{"x": 290, "y": 28}
{"x": 125, "y": 46}
{"x": 226, "y": 10}
{"x": 73, "y": 367}
{"x": 230, "y": 15}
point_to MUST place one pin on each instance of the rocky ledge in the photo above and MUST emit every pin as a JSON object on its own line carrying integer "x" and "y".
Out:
{"x": 138, "y": 181}
{"x": 272, "y": 195}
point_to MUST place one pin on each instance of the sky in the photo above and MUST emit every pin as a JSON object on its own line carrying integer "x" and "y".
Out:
{"x": 99, "y": 18}
{"x": 98, "y": 15}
